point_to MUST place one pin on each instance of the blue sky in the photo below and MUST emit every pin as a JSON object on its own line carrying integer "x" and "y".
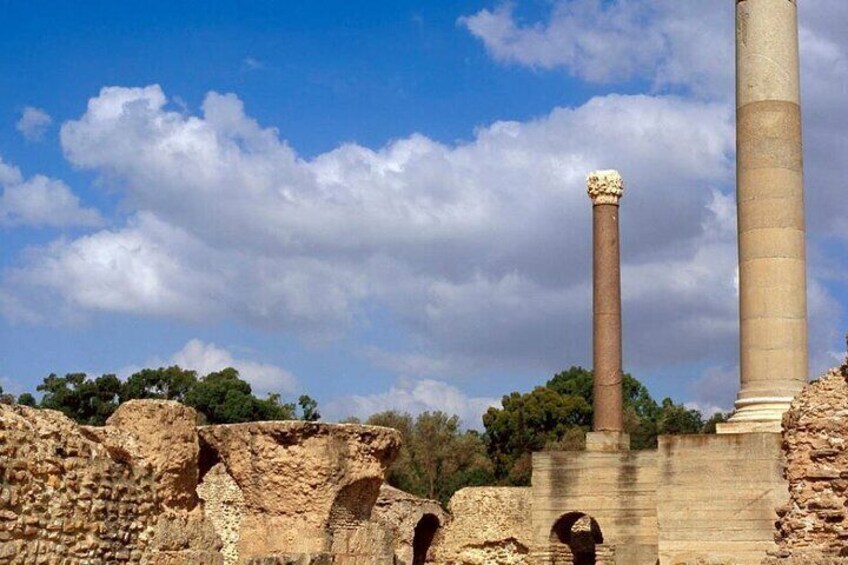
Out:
{"x": 381, "y": 203}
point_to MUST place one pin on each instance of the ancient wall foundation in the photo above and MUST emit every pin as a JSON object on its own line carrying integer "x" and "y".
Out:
{"x": 617, "y": 490}
{"x": 79, "y": 495}
{"x": 716, "y": 497}
{"x": 152, "y": 488}
{"x": 813, "y": 524}
{"x": 488, "y": 525}
{"x": 304, "y": 488}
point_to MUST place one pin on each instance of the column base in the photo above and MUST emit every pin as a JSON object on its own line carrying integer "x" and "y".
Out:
{"x": 607, "y": 442}
{"x": 754, "y": 415}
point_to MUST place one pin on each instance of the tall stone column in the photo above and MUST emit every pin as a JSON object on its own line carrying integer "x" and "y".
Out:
{"x": 770, "y": 198}
{"x": 605, "y": 189}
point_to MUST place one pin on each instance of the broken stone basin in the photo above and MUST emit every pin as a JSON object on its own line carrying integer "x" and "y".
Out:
{"x": 301, "y": 482}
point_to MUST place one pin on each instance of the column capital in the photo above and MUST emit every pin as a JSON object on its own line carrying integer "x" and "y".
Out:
{"x": 605, "y": 187}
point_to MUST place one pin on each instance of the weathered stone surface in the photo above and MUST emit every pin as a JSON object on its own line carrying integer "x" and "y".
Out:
{"x": 813, "y": 526}
{"x": 308, "y": 488}
{"x": 223, "y": 503}
{"x": 76, "y": 495}
{"x": 412, "y": 521}
{"x": 166, "y": 438}
{"x": 488, "y": 525}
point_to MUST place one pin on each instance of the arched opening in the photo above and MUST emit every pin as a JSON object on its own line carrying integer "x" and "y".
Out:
{"x": 425, "y": 530}
{"x": 574, "y": 539}
{"x": 354, "y": 503}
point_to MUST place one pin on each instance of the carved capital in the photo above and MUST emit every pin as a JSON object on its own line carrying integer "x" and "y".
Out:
{"x": 605, "y": 187}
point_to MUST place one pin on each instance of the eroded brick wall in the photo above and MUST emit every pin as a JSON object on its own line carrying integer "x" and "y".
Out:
{"x": 77, "y": 495}
{"x": 813, "y": 526}
{"x": 64, "y": 494}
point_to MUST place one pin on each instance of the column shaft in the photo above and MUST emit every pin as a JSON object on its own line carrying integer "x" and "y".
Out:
{"x": 606, "y": 300}
{"x": 770, "y": 198}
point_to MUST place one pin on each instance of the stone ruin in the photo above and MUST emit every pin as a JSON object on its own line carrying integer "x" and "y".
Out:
{"x": 152, "y": 488}
{"x": 812, "y": 527}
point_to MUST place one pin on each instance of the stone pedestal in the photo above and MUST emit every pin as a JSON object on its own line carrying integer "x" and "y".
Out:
{"x": 770, "y": 199}
{"x": 607, "y": 441}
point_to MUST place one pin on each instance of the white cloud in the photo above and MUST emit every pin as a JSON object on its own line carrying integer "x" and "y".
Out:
{"x": 481, "y": 250}
{"x": 41, "y": 202}
{"x": 33, "y": 123}
{"x": 415, "y": 397}
{"x": 253, "y": 64}
{"x": 206, "y": 358}
{"x": 667, "y": 42}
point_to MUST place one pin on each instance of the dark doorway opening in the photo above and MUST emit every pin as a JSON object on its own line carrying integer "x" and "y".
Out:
{"x": 425, "y": 530}
{"x": 580, "y": 534}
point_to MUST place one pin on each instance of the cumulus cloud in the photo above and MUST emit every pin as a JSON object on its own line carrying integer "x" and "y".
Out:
{"x": 206, "y": 358}
{"x": 667, "y": 42}
{"x": 33, "y": 123}
{"x": 415, "y": 397}
{"x": 40, "y": 202}
{"x": 480, "y": 251}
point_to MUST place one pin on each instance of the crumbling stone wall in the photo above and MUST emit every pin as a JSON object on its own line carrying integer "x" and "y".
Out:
{"x": 117, "y": 494}
{"x": 128, "y": 492}
{"x": 487, "y": 525}
{"x": 223, "y": 503}
{"x": 412, "y": 521}
{"x": 308, "y": 488}
{"x": 813, "y": 527}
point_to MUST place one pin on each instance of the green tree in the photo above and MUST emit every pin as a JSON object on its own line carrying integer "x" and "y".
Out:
{"x": 80, "y": 398}
{"x": 529, "y": 422}
{"x": 309, "y": 408}
{"x": 436, "y": 458}
{"x": 401, "y": 473}
{"x": 171, "y": 383}
{"x": 710, "y": 424}
{"x": 676, "y": 419}
{"x": 225, "y": 398}
{"x": 6, "y": 398}
{"x": 27, "y": 399}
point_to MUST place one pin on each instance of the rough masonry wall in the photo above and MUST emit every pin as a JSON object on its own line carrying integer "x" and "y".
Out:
{"x": 410, "y": 520}
{"x": 813, "y": 526}
{"x": 716, "y": 497}
{"x": 618, "y": 490}
{"x": 76, "y": 495}
{"x": 308, "y": 489}
{"x": 487, "y": 525}
{"x": 223, "y": 504}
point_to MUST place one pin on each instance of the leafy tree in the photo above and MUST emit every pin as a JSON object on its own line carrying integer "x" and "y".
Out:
{"x": 557, "y": 416}
{"x": 717, "y": 418}
{"x": 80, "y": 398}
{"x": 6, "y": 398}
{"x": 436, "y": 457}
{"x": 578, "y": 381}
{"x": 225, "y": 398}
{"x": 309, "y": 408}
{"x": 27, "y": 399}
{"x": 171, "y": 383}
{"x": 401, "y": 474}
{"x": 530, "y": 422}
{"x": 676, "y": 419}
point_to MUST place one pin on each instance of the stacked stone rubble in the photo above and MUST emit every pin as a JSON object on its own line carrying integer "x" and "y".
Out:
{"x": 127, "y": 492}
{"x": 488, "y": 525}
{"x": 813, "y": 526}
{"x": 405, "y": 516}
{"x": 76, "y": 495}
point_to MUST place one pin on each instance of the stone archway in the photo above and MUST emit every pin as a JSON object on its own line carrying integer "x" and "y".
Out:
{"x": 353, "y": 504}
{"x": 574, "y": 539}
{"x": 425, "y": 531}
